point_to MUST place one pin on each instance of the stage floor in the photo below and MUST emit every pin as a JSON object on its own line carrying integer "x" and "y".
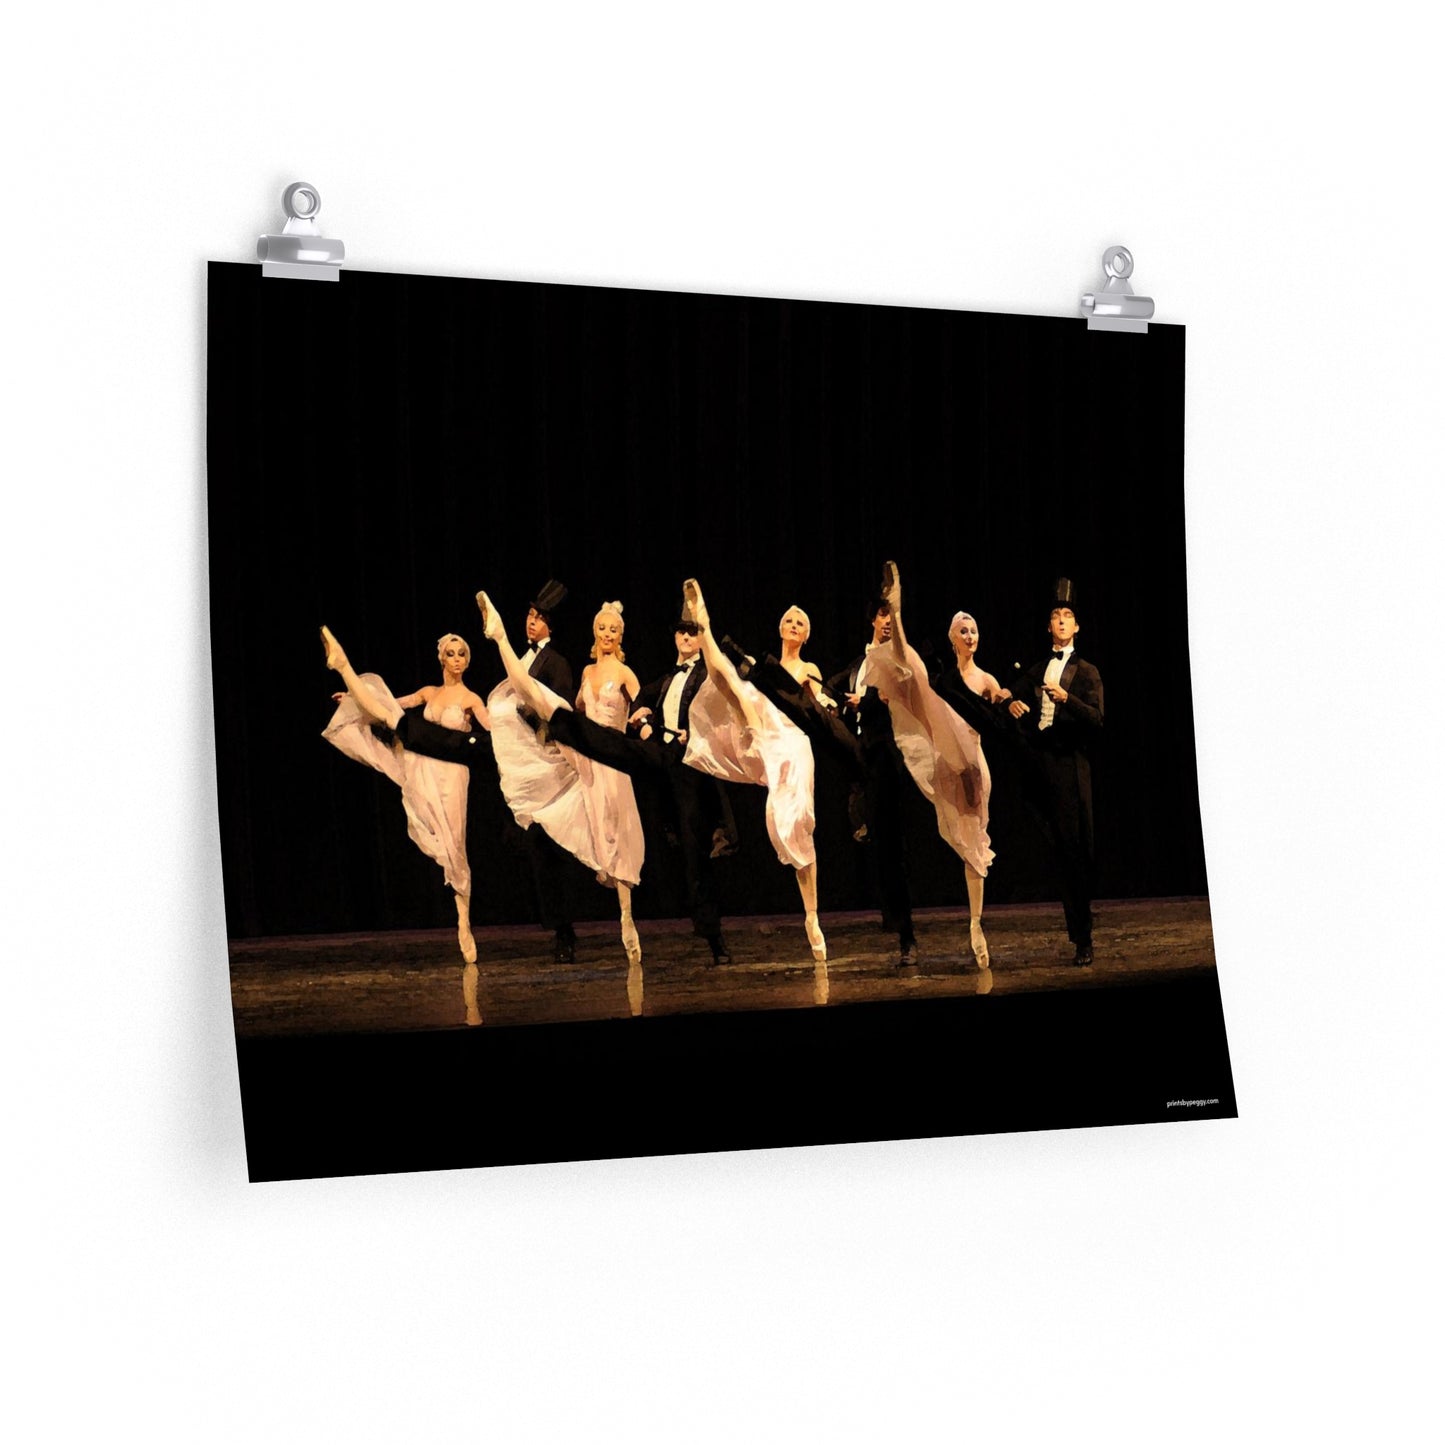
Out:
{"x": 409, "y": 982}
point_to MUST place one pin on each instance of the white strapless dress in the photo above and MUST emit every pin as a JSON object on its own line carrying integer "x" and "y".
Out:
{"x": 584, "y": 807}
{"x": 433, "y": 793}
{"x": 776, "y": 756}
{"x": 942, "y": 752}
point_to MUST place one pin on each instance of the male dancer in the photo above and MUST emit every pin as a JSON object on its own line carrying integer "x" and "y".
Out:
{"x": 652, "y": 758}
{"x": 549, "y": 862}
{"x": 1062, "y": 698}
{"x": 700, "y": 817}
{"x": 885, "y": 781}
{"x": 543, "y": 661}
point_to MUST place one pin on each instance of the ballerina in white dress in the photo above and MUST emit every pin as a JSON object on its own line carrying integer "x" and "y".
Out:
{"x": 943, "y": 753}
{"x": 587, "y": 809}
{"x": 433, "y": 792}
{"x": 736, "y": 734}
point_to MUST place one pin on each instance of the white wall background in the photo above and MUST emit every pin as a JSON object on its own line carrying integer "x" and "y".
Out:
{"x": 1276, "y": 172}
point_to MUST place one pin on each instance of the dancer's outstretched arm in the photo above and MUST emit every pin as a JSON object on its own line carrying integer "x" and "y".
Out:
{"x": 531, "y": 692}
{"x": 719, "y": 668}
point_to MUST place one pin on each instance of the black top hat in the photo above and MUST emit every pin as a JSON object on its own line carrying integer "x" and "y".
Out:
{"x": 550, "y": 598}
{"x": 1064, "y": 595}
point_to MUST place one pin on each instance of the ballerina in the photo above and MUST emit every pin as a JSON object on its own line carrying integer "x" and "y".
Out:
{"x": 738, "y": 735}
{"x": 586, "y": 808}
{"x": 942, "y": 750}
{"x": 796, "y": 686}
{"x": 433, "y": 792}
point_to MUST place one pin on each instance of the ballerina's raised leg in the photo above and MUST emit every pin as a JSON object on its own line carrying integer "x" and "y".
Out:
{"x": 538, "y": 700}
{"x": 530, "y": 690}
{"x": 721, "y": 671}
{"x": 893, "y": 596}
{"x": 357, "y": 690}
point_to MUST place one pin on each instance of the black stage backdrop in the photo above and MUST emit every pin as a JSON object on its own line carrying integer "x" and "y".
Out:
{"x": 382, "y": 447}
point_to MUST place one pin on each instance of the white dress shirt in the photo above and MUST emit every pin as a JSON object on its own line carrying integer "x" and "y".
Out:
{"x": 1052, "y": 673}
{"x": 672, "y": 698}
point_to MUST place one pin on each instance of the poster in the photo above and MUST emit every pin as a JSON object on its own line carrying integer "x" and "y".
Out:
{"x": 382, "y": 449}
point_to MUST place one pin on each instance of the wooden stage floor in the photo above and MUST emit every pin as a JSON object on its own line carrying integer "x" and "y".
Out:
{"x": 412, "y": 982}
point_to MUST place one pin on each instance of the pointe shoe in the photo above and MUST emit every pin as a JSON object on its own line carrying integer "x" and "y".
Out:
{"x": 816, "y": 941}
{"x": 692, "y": 604}
{"x": 630, "y": 941}
{"x": 467, "y": 942}
{"x": 335, "y": 656}
{"x": 492, "y": 628}
{"x": 978, "y": 942}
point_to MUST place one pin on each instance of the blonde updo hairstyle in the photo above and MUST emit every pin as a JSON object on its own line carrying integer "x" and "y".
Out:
{"x": 955, "y": 628}
{"x": 613, "y": 609}
{"x": 807, "y": 622}
{"x": 452, "y": 637}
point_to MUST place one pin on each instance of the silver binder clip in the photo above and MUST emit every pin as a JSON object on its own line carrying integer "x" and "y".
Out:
{"x": 300, "y": 252}
{"x": 1116, "y": 307}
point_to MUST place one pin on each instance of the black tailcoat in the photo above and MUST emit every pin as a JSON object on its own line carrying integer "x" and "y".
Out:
{"x": 1058, "y": 779}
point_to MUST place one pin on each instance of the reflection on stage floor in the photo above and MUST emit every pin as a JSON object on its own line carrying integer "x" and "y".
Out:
{"x": 387, "y": 982}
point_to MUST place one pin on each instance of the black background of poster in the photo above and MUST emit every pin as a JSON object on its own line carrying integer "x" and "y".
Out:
{"x": 381, "y": 447}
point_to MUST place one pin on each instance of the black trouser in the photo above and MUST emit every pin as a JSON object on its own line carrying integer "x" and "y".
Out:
{"x": 658, "y": 767}
{"x": 885, "y": 779}
{"x": 1060, "y": 794}
{"x": 549, "y": 875}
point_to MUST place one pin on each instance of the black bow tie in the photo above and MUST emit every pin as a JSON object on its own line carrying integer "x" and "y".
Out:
{"x": 682, "y": 667}
{"x": 1059, "y": 655}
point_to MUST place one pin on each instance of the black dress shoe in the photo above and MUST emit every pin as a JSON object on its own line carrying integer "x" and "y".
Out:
{"x": 564, "y": 947}
{"x": 907, "y": 953}
{"x": 720, "y": 954}
{"x": 1083, "y": 955}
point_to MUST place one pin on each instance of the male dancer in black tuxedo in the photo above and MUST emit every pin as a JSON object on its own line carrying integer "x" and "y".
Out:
{"x": 549, "y": 862}
{"x": 650, "y": 753}
{"x": 660, "y": 717}
{"x": 1059, "y": 705}
{"x": 885, "y": 784}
